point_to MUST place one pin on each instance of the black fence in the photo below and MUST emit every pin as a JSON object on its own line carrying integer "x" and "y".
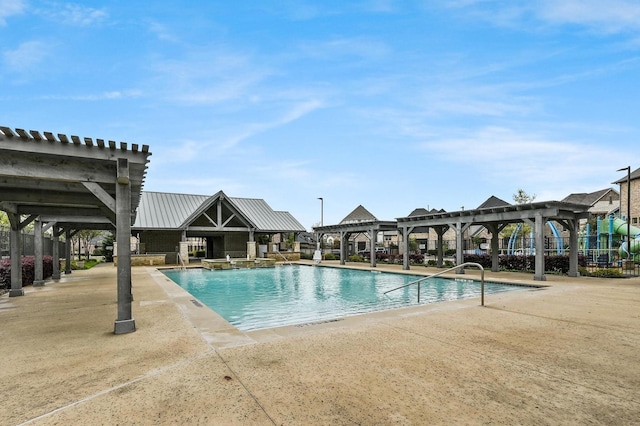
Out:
{"x": 27, "y": 242}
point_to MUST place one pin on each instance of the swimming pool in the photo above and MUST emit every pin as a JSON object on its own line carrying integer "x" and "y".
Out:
{"x": 253, "y": 299}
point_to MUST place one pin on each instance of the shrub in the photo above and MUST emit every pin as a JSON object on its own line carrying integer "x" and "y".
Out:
{"x": 28, "y": 270}
{"x": 356, "y": 258}
{"x": 605, "y": 273}
{"x": 5, "y": 273}
{"x": 329, "y": 256}
{"x": 482, "y": 259}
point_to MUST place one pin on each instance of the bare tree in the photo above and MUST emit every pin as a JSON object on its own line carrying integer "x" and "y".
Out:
{"x": 521, "y": 197}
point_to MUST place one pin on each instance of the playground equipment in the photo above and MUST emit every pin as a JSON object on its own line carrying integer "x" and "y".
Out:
{"x": 513, "y": 239}
{"x": 619, "y": 226}
{"x": 601, "y": 247}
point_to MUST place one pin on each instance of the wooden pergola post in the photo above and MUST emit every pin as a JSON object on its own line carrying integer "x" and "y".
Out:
{"x": 124, "y": 322}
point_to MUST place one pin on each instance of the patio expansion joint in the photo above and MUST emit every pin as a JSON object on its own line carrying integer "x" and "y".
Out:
{"x": 255, "y": 398}
{"x": 146, "y": 376}
{"x": 514, "y": 363}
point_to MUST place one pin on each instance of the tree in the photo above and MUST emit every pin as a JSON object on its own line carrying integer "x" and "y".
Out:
{"x": 521, "y": 197}
{"x": 84, "y": 238}
{"x": 107, "y": 246}
{"x": 413, "y": 244}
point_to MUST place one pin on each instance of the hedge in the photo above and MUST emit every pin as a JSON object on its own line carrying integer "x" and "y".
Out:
{"x": 557, "y": 264}
{"x": 28, "y": 270}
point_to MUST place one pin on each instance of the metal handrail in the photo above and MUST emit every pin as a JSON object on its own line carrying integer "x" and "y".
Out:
{"x": 183, "y": 268}
{"x": 444, "y": 272}
{"x": 285, "y": 258}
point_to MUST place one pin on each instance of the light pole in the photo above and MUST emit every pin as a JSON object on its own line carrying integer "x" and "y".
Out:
{"x": 628, "y": 169}
{"x": 321, "y": 219}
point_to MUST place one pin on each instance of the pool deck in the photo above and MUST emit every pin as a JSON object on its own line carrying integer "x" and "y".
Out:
{"x": 568, "y": 353}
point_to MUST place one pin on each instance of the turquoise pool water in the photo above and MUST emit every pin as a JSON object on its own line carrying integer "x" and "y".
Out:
{"x": 253, "y": 299}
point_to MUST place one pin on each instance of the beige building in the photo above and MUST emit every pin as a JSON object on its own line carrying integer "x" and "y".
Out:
{"x": 635, "y": 197}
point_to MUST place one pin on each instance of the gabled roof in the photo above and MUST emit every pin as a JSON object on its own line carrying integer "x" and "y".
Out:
{"x": 419, "y": 212}
{"x": 493, "y": 201}
{"x": 161, "y": 210}
{"x": 359, "y": 214}
{"x": 265, "y": 218}
{"x": 588, "y": 199}
{"x": 634, "y": 175}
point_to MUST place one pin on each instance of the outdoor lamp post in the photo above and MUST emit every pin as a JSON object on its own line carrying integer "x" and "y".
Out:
{"x": 628, "y": 169}
{"x": 321, "y": 218}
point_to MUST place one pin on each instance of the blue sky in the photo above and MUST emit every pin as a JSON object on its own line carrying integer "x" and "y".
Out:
{"x": 393, "y": 105}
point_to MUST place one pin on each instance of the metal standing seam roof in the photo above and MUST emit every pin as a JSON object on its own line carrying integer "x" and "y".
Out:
{"x": 169, "y": 211}
{"x": 264, "y": 217}
{"x": 161, "y": 210}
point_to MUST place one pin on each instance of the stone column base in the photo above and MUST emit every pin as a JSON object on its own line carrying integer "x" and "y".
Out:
{"x": 124, "y": 326}
{"x": 16, "y": 292}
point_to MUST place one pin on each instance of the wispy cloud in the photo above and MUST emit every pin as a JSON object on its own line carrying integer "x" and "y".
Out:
{"x": 9, "y": 8}
{"x": 162, "y": 32}
{"x": 207, "y": 76}
{"x": 26, "y": 56}
{"x": 74, "y": 14}
{"x": 527, "y": 158}
{"x": 339, "y": 48}
{"x": 293, "y": 113}
{"x": 109, "y": 95}
{"x": 613, "y": 16}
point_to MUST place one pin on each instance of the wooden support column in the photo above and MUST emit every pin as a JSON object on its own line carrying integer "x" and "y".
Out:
{"x": 460, "y": 228}
{"x": 539, "y": 244}
{"x": 573, "y": 247}
{"x": 495, "y": 258}
{"x": 124, "y": 322}
{"x": 343, "y": 248}
{"x": 495, "y": 230}
{"x": 372, "y": 239}
{"x": 440, "y": 230}
{"x": 55, "y": 253}
{"x": 67, "y": 252}
{"x": 38, "y": 243}
{"x": 16, "y": 256}
{"x": 403, "y": 233}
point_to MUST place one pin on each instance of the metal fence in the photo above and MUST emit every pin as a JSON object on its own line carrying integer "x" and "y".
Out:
{"x": 27, "y": 242}
{"x": 592, "y": 259}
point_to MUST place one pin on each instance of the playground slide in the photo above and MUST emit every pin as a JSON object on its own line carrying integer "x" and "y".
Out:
{"x": 620, "y": 228}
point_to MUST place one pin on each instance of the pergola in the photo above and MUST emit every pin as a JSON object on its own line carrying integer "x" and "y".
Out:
{"x": 494, "y": 219}
{"x": 70, "y": 184}
{"x": 369, "y": 228}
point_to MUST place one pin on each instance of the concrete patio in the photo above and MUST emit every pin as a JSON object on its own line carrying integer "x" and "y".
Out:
{"x": 568, "y": 353}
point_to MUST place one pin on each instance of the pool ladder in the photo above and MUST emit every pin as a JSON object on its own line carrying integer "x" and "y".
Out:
{"x": 284, "y": 257}
{"x": 183, "y": 267}
{"x": 444, "y": 272}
